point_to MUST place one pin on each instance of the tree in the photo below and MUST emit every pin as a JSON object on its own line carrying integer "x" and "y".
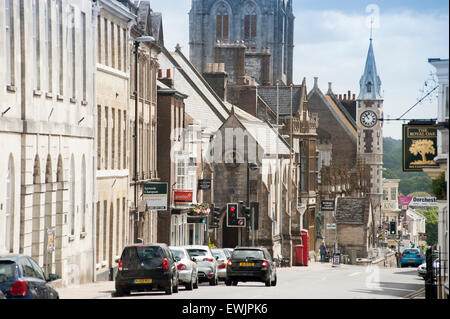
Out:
{"x": 439, "y": 187}
{"x": 431, "y": 224}
{"x": 422, "y": 147}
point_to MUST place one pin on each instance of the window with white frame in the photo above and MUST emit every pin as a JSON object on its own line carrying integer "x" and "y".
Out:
{"x": 9, "y": 41}
{"x": 181, "y": 170}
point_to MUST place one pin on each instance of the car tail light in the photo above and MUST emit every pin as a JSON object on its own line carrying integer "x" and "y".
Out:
{"x": 181, "y": 266}
{"x": 402, "y": 255}
{"x": 120, "y": 267}
{"x": 208, "y": 259}
{"x": 222, "y": 266}
{"x": 19, "y": 288}
{"x": 265, "y": 264}
{"x": 420, "y": 256}
{"x": 165, "y": 264}
{"x": 229, "y": 263}
{"x": 210, "y": 275}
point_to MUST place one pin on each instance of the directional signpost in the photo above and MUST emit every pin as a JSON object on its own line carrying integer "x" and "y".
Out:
{"x": 155, "y": 194}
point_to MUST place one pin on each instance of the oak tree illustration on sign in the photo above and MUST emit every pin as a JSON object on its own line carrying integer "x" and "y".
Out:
{"x": 422, "y": 147}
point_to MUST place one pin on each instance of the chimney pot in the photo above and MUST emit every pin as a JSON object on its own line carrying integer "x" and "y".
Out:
{"x": 316, "y": 81}
{"x": 159, "y": 73}
{"x": 330, "y": 87}
{"x": 168, "y": 74}
{"x": 340, "y": 96}
{"x": 354, "y": 96}
{"x": 345, "y": 96}
{"x": 349, "y": 95}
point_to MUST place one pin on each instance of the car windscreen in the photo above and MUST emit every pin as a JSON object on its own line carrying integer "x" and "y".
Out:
{"x": 178, "y": 253}
{"x": 7, "y": 270}
{"x": 410, "y": 251}
{"x": 149, "y": 252}
{"x": 247, "y": 254}
{"x": 218, "y": 253}
{"x": 194, "y": 252}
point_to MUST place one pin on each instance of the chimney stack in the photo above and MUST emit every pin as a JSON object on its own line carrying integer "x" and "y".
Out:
{"x": 216, "y": 77}
{"x": 166, "y": 80}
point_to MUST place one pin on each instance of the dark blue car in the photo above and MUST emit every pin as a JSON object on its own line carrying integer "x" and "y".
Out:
{"x": 411, "y": 257}
{"x": 22, "y": 278}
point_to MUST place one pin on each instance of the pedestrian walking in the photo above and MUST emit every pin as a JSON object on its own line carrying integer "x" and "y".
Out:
{"x": 323, "y": 252}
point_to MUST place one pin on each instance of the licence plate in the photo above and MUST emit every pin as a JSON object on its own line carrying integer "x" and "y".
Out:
{"x": 410, "y": 260}
{"x": 142, "y": 281}
{"x": 247, "y": 264}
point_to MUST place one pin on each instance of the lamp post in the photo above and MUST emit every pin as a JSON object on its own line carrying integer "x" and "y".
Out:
{"x": 250, "y": 166}
{"x": 137, "y": 43}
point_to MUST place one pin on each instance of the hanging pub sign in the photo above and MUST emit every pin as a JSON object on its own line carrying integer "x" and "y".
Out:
{"x": 419, "y": 147}
{"x": 204, "y": 184}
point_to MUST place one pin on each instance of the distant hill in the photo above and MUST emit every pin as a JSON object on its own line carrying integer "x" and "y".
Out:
{"x": 392, "y": 163}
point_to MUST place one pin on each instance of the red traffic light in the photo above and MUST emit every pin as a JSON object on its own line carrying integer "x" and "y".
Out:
{"x": 232, "y": 209}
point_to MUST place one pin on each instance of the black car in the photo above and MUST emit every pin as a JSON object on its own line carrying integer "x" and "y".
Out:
{"x": 251, "y": 264}
{"x": 22, "y": 278}
{"x": 145, "y": 268}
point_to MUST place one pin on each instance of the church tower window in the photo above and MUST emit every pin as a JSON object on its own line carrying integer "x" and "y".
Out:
{"x": 222, "y": 24}
{"x": 250, "y": 22}
{"x": 369, "y": 87}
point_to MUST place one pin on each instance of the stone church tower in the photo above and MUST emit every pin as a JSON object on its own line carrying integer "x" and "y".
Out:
{"x": 370, "y": 128}
{"x": 263, "y": 26}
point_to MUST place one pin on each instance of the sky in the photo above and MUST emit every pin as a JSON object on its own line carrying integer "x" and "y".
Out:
{"x": 331, "y": 41}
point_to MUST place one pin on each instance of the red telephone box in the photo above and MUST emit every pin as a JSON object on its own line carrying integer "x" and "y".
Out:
{"x": 305, "y": 240}
{"x": 299, "y": 255}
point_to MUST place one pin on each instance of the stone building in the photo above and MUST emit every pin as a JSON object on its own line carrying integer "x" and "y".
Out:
{"x": 112, "y": 131}
{"x": 390, "y": 210}
{"x": 47, "y": 131}
{"x": 261, "y": 31}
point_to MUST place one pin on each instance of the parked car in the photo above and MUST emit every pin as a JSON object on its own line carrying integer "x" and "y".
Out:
{"x": 2, "y": 296}
{"x": 422, "y": 269}
{"x": 145, "y": 268}
{"x": 222, "y": 261}
{"x": 207, "y": 263}
{"x": 411, "y": 257}
{"x": 251, "y": 264}
{"x": 22, "y": 278}
{"x": 187, "y": 267}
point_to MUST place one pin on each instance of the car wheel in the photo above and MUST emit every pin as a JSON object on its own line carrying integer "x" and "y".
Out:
{"x": 190, "y": 285}
{"x": 267, "y": 282}
{"x": 175, "y": 289}
{"x": 274, "y": 282}
{"x": 234, "y": 283}
{"x": 228, "y": 282}
{"x": 196, "y": 282}
{"x": 169, "y": 288}
{"x": 213, "y": 281}
{"x": 120, "y": 292}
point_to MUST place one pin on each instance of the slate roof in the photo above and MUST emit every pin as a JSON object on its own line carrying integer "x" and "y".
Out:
{"x": 262, "y": 132}
{"x": 350, "y": 106}
{"x": 343, "y": 109}
{"x": 269, "y": 95}
{"x": 354, "y": 211}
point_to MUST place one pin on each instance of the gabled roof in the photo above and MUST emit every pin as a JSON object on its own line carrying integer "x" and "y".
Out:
{"x": 271, "y": 96}
{"x": 337, "y": 110}
{"x": 354, "y": 211}
{"x": 263, "y": 133}
{"x": 202, "y": 104}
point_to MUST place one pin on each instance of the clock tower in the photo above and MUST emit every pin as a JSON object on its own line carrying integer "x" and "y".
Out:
{"x": 370, "y": 128}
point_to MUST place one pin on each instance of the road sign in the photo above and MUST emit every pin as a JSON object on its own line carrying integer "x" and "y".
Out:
{"x": 155, "y": 194}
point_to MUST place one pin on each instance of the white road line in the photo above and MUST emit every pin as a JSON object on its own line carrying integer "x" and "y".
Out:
{"x": 355, "y": 274}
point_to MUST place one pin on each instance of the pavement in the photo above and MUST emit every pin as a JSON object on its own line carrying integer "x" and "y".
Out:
{"x": 105, "y": 289}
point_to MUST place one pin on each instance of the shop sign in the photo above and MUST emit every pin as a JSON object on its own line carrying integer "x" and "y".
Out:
{"x": 182, "y": 196}
{"x": 204, "y": 184}
{"x": 419, "y": 147}
{"x": 155, "y": 194}
{"x": 327, "y": 205}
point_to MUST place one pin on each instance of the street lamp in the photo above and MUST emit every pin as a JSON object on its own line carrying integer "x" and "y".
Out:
{"x": 137, "y": 43}
{"x": 250, "y": 166}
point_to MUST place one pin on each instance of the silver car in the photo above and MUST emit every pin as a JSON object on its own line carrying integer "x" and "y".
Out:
{"x": 207, "y": 264}
{"x": 222, "y": 261}
{"x": 187, "y": 267}
{"x": 422, "y": 269}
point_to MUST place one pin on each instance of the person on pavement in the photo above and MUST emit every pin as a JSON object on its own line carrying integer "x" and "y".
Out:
{"x": 323, "y": 252}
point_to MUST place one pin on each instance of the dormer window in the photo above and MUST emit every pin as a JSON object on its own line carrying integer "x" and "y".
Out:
{"x": 369, "y": 87}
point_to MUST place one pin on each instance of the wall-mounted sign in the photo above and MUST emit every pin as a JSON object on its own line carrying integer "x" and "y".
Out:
{"x": 419, "y": 147}
{"x": 155, "y": 194}
{"x": 327, "y": 205}
{"x": 182, "y": 196}
{"x": 331, "y": 226}
{"x": 414, "y": 201}
{"x": 204, "y": 184}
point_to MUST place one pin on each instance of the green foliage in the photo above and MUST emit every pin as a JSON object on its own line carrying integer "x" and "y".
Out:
{"x": 392, "y": 163}
{"x": 431, "y": 224}
{"x": 439, "y": 187}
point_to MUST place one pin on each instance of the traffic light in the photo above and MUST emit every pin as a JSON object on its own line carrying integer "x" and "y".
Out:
{"x": 232, "y": 214}
{"x": 392, "y": 228}
{"x": 215, "y": 217}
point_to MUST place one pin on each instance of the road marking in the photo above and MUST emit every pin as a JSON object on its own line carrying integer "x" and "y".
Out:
{"x": 355, "y": 274}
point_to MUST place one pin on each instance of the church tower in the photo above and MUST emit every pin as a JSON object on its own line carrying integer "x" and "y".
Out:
{"x": 264, "y": 27}
{"x": 370, "y": 128}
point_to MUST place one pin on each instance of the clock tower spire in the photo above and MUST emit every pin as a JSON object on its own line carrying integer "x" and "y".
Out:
{"x": 370, "y": 128}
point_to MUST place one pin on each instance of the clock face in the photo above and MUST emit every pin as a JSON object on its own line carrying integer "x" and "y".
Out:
{"x": 368, "y": 118}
